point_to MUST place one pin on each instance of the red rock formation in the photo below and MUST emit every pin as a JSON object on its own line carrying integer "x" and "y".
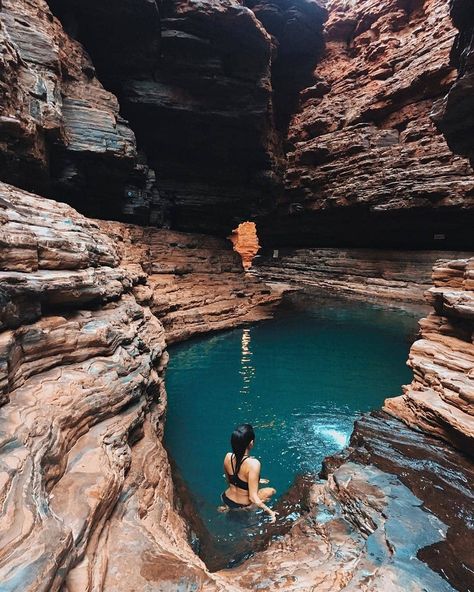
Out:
{"x": 200, "y": 94}
{"x": 366, "y": 165}
{"x": 60, "y": 131}
{"x": 398, "y": 276}
{"x": 245, "y": 241}
{"x": 198, "y": 76}
{"x": 440, "y": 400}
{"x": 453, "y": 114}
{"x": 87, "y": 306}
{"x": 83, "y": 474}
{"x": 194, "y": 283}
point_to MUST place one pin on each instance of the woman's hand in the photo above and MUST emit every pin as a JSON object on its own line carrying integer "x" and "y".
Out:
{"x": 264, "y": 481}
{"x": 273, "y": 516}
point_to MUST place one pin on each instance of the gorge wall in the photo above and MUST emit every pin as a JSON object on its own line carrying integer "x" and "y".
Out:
{"x": 188, "y": 76}
{"x": 185, "y": 115}
{"x": 87, "y": 496}
{"x": 332, "y": 138}
{"x": 396, "y": 277}
{"x": 366, "y": 165}
{"x": 86, "y": 310}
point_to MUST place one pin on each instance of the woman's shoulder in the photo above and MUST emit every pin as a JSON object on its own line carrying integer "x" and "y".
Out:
{"x": 253, "y": 462}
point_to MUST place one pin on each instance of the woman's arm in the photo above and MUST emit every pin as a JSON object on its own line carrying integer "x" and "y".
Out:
{"x": 253, "y": 478}
{"x": 226, "y": 474}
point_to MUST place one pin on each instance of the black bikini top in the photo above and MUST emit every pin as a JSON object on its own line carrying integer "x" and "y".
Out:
{"x": 234, "y": 479}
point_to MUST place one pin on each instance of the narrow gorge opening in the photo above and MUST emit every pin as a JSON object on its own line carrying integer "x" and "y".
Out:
{"x": 301, "y": 379}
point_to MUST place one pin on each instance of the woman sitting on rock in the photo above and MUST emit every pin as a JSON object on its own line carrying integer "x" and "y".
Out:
{"x": 243, "y": 475}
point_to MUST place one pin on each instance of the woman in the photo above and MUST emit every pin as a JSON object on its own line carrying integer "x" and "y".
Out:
{"x": 243, "y": 474}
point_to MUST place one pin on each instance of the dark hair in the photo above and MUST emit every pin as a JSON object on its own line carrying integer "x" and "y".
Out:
{"x": 240, "y": 439}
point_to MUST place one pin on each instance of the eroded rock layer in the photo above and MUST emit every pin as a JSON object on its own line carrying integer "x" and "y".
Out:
{"x": 84, "y": 477}
{"x": 454, "y": 113}
{"x": 61, "y": 133}
{"x": 208, "y": 88}
{"x": 195, "y": 283}
{"x": 440, "y": 400}
{"x": 366, "y": 166}
{"x": 189, "y": 76}
{"x": 398, "y": 276}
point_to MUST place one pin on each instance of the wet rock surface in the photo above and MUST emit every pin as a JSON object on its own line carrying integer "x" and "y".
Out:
{"x": 363, "y": 532}
{"x": 439, "y": 476}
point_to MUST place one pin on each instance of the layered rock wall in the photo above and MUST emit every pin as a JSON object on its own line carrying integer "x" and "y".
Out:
{"x": 195, "y": 283}
{"x": 295, "y": 28}
{"x": 86, "y": 310}
{"x": 197, "y": 81}
{"x": 440, "y": 400}
{"x": 454, "y": 113}
{"x": 398, "y": 276}
{"x": 61, "y": 132}
{"x": 189, "y": 76}
{"x": 366, "y": 166}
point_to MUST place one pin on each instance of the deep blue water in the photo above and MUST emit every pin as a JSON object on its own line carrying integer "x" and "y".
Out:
{"x": 300, "y": 379}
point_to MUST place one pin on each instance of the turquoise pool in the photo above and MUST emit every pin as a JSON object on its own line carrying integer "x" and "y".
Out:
{"x": 300, "y": 379}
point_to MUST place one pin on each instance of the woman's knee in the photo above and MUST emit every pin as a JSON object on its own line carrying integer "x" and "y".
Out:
{"x": 266, "y": 493}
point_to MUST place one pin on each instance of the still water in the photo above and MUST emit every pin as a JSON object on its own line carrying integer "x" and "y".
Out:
{"x": 300, "y": 379}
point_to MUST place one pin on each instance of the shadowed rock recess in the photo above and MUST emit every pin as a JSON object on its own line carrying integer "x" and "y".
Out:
{"x": 135, "y": 135}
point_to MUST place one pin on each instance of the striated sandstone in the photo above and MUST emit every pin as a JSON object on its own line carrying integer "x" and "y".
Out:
{"x": 440, "y": 400}
{"x": 192, "y": 75}
{"x": 397, "y": 276}
{"x": 195, "y": 283}
{"x": 84, "y": 477}
{"x": 61, "y": 132}
{"x": 366, "y": 166}
{"x": 189, "y": 76}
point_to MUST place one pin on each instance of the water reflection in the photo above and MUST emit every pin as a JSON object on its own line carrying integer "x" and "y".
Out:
{"x": 247, "y": 369}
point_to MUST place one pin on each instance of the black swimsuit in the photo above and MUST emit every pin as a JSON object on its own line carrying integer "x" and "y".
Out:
{"x": 234, "y": 479}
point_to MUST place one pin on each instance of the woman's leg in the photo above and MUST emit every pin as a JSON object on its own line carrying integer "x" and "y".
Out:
{"x": 266, "y": 493}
